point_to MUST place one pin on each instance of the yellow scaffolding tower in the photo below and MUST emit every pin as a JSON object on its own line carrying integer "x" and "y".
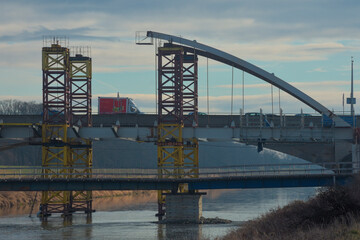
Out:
{"x": 191, "y": 158}
{"x": 177, "y": 93}
{"x": 55, "y": 146}
{"x": 55, "y": 164}
{"x": 80, "y": 112}
{"x": 81, "y": 167}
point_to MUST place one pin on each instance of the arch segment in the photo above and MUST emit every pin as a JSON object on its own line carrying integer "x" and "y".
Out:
{"x": 218, "y": 55}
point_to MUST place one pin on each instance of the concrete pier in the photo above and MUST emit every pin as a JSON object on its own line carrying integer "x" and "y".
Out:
{"x": 183, "y": 207}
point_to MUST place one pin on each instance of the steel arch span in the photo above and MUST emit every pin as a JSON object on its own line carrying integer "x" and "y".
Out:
{"x": 218, "y": 55}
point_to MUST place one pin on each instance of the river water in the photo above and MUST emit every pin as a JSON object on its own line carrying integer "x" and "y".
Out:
{"x": 137, "y": 220}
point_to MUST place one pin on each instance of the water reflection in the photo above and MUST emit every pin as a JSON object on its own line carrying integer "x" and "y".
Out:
{"x": 69, "y": 226}
{"x": 14, "y": 211}
{"x": 120, "y": 200}
{"x": 136, "y": 221}
{"x": 179, "y": 231}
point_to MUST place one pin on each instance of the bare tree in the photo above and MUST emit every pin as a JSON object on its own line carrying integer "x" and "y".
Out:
{"x": 16, "y": 107}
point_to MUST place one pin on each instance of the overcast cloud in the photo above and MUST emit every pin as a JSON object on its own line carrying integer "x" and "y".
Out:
{"x": 301, "y": 41}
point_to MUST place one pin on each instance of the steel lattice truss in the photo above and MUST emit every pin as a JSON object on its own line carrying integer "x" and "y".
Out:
{"x": 66, "y": 101}
{"x": 80, "y": 111}
{"x": 170, "y": 82}
{"x": 55, "y": 163}
{"x": 177, "y": 96}
{"x": 190, "y": 89}
{"x": 81, "y": 167}
{"x": 55, "y": 149}
{"x": 80, "y": 90}
{"x": 55, "y": 84}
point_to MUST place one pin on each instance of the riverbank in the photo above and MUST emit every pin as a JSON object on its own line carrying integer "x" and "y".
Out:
{"x": 334, "y": 213}
{"x": 14, "y": 203}
{"x": 136, "y": 220}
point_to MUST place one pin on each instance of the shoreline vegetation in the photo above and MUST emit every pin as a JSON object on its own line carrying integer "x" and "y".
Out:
{"x": 334, "y": 213}
{"x": 14, "y": 203}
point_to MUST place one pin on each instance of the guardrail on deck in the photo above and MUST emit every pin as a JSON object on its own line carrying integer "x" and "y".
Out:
{"x": 180, "y": 172}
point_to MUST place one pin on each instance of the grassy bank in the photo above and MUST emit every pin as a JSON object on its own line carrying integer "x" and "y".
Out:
{"x": 334, "y": 213}
{"x": 101, "y": 199}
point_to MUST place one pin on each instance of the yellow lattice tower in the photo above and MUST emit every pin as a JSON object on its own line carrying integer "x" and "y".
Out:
{"x": 55, "y": 150}
{"x": 80, "y": 90}
{"x": 177, "y": 94}
{"x": 191, "y": 158}
{"x": 170, "y": 151}
{"x": 81, "y": 167}
{"x": 190, "y": 112}
{"x": 80, "y": 111}
{"x": 55, "y": 163}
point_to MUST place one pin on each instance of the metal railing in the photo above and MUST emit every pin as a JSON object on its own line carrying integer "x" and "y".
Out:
{"x": 180, "y": 172}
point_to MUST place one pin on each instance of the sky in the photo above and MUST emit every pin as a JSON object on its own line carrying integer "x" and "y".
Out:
{"x": 308, "y": 44}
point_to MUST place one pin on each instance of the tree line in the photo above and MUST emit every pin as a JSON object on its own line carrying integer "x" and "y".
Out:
{"x": 17, "y": 107}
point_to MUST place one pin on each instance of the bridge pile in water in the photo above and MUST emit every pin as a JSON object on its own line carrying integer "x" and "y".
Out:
{"x": 66, "y": 129}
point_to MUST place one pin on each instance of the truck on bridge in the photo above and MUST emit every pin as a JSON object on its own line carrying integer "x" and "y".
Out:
{"x": 114, "y": 105}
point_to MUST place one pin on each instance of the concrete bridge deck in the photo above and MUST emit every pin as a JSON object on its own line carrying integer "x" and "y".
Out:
{"x": 147, "y": 120}
{"x": 300, "y": 136}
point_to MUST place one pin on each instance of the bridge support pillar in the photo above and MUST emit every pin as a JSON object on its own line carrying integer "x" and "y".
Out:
{"x": 177, "y": 94}
{"x": 183, "y": 207}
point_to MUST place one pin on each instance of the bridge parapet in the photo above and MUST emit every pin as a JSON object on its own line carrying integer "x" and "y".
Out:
{"x": 148, "y": 120}
{"x": 249, "y": 170}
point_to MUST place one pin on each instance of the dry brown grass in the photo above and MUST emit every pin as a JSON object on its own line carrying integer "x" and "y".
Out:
{"x": 15, "y": 199}
{"x": 14, "y": 203}
{"x": 334, "y": 213}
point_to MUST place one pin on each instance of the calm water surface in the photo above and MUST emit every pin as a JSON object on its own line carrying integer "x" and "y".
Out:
{"x": 138, "y": 222}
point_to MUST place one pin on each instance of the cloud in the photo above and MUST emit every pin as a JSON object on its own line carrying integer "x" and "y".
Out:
{"x": 285, "y": 51}
{"x": 309, "y": 85}
{"x": 241, "y": 21}
{"x": 317, "y": 70}
{"x": 117, "y": 69}
{"x": 40, "y": 31}
{"x": 278, "y": 33}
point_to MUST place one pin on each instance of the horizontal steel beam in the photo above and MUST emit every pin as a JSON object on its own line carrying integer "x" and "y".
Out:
{"x": 149, "y": 120}
{"x": 271, "y": 182}
{"x": 85, "y": 184}
{"x": 172, "y": 184}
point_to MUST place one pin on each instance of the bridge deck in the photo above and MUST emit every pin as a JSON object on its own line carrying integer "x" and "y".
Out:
{"x": 147, "y": 120}
{"x": 236, "y": 182}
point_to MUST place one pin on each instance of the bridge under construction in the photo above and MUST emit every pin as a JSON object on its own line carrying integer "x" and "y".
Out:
{"x": 66, "y": 130}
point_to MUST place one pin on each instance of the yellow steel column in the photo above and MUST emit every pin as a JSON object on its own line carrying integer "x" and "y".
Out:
{"x": 191, "y": 159}
{"x": 80, "y": 110}
{"x": 170, "y": 154}
{"x": 81, "y": 167}
{"x": 177, "y": 96}
{"x": 170, "y": 118}
{"x": 55, "y": 164}
{"x": 55, "y": 147}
